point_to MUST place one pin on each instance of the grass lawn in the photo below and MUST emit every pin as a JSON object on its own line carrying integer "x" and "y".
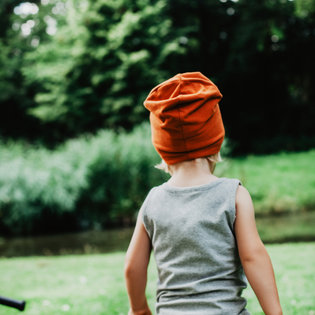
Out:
{"x": 283, "y": 182}
{"x": 93, "y": 284}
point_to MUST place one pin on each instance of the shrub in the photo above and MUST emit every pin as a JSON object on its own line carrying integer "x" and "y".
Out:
{"x": 87, "y": 182}
{"x": 100, "y": 181}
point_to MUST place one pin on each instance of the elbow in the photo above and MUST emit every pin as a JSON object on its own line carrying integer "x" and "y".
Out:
{"x": 129, "y": 269}
{"x": 134, "y": 271}
{"x": 256, "y": 254}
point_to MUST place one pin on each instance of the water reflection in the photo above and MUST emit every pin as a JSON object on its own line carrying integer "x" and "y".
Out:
{"x": 284, "y": 228}
{"x": 90, "y": 242}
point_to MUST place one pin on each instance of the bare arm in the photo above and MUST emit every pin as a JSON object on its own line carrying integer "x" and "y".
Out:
{"x": 254, "y": 257}
{"x": 136, "y": 265}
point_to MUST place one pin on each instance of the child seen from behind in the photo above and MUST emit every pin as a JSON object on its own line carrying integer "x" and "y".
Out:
{"x": 201, "y": 228}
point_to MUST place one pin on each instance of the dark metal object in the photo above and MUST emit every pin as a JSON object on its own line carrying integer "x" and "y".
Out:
{"x": 20, "y": 305}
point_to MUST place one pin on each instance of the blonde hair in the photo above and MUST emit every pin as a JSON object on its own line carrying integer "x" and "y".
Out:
{"x": 212, "y": 160}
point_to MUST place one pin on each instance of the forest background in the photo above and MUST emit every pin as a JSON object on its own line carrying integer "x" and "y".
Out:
{"x": 75, "y": 146}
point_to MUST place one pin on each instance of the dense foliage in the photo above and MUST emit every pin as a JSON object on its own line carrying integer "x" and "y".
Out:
{"x": 98, "y": 181}
{"x": 70, "y": 67}
{"x": 86, "y": 183}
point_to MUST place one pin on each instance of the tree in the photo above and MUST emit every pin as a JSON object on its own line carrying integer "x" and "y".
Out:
{"x": 267, "y": 79}
{"x": 122, "y": 51}
{"x": 24, "y": 27}
{"x": 106, "y": 55}
{"x": 15, "y": 97}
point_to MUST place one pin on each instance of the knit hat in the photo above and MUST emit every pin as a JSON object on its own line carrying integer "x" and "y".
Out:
{"x": 185, "y": 118}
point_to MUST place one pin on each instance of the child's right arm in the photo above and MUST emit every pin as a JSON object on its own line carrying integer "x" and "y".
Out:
{"x": 254, "y": 257}
{"x": 136, "y": 265}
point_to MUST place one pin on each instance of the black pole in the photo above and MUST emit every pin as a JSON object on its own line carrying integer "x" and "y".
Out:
{"x": 20, "y": 305}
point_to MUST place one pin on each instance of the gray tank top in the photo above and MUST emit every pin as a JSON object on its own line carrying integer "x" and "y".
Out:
{"x": 192, "y": 234}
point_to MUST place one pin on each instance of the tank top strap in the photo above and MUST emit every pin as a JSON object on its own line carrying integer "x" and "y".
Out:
{"x": 228, "y": 191}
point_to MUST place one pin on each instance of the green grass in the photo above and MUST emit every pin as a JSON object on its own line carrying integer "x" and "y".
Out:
{"x": 94, "y": 285}
{"x": 278, "y": 183}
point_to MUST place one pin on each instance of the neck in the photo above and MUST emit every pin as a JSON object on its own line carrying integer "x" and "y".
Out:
{"x": 191, "y": 173}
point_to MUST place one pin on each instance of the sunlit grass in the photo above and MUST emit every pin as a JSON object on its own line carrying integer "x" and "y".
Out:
{"x": 277, "y": 183}
{"x": 93, "y": 284}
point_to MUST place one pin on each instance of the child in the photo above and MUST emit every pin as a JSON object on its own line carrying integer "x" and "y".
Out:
{"x": 201, "y": 228}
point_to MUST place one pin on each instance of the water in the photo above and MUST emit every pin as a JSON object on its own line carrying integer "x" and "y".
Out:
{"x": 287, "y": 228}
{"x": 90, "y": 242}
{"x": 284, "y": 228}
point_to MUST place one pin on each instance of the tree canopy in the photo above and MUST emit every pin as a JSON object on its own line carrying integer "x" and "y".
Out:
{"x": 71, "y": 67}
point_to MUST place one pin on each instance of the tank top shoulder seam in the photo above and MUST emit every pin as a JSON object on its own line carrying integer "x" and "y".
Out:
{"x": 174, "y": 189}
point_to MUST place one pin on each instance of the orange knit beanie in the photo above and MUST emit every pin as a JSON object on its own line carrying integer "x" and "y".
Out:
{"x": 185, "y": 118}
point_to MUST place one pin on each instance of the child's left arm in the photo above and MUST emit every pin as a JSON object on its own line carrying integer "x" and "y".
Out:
{"x": 136, "y": 265}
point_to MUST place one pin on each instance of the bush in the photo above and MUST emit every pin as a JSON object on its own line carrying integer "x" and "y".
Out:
{"x": 101, "y": 181}
{"x": 87, "y": 182}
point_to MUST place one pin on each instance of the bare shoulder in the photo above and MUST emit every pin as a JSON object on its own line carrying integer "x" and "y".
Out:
{"x": 243, "y": 200}
{"x": 248, "y": 240}
{"x": 242, "y": 194}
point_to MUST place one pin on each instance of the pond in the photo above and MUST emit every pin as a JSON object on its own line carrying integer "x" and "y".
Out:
{"x": 90, "y": 242}
{"x": 284, "y": 228}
